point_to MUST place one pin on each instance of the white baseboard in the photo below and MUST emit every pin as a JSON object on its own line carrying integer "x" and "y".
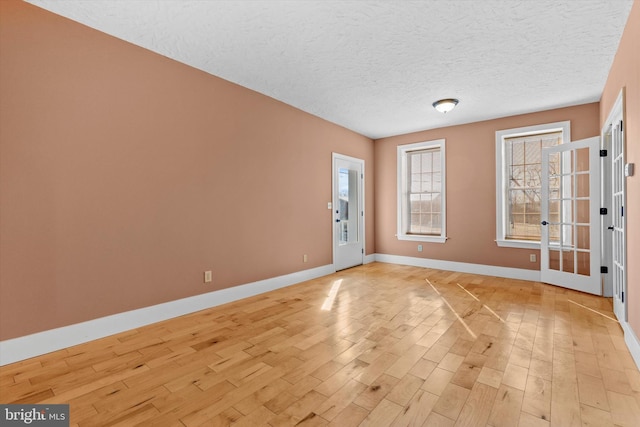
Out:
{"x": 462, "y": 267}
{"x": 632, "y": 342}
{"x": 21, "y": 348}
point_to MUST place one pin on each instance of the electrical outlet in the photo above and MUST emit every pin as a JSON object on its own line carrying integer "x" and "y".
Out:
{"x": 532, "y": 257}
{"x": 419, "y": 248}
{"x": 208, "y": 277}
{"x": 305, "y": 258}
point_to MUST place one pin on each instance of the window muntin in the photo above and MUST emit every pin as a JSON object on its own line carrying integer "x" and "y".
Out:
{"x": 421, "y": 191}
{"x": 518, "y": 182}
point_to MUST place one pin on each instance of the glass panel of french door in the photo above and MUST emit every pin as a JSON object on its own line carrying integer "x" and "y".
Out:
{"x": 570, "y": 241}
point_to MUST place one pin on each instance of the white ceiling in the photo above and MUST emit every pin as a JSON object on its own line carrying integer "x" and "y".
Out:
{"x": 375, "y": 67}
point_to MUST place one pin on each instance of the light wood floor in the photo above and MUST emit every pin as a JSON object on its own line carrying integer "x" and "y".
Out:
{"x": 379, "y": 344}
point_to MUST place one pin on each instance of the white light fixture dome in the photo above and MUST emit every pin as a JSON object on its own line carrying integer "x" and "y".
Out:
{"x": 445, "y": 105}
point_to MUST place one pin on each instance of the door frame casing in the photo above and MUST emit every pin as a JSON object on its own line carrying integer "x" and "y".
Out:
{"x": 361, "y": 196}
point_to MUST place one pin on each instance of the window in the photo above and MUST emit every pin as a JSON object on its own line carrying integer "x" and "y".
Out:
{"x": 518, "y": 181}
{"x": 421, "y": 191}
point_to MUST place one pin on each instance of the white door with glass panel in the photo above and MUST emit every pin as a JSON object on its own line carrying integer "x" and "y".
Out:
{"x": 348, "y": 211}
{"x": 570, "y": 213}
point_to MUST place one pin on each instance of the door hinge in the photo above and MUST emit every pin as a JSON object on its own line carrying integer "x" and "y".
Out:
{"x": 622, "y": 296}
{"x": 603, "y": 153}
{"x": 363, "y": 251}
{"x": 604, "y": 269}
{"x": 361, "y": 176}
{"x": 621, "y": 210}
{"x": 603, "y": 211}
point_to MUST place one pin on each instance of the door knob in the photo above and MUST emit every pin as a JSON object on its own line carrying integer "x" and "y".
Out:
{"x": 544, "y": 223}
{"x": 610, "y": 227}
{"x": 337, "y": 220}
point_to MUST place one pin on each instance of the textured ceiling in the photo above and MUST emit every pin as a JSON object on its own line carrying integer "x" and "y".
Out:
{"x": 376, "y": 66}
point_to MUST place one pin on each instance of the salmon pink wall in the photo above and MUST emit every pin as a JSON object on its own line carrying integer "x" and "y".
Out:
{"x": 625, "y": 73}
{"x": 125, "y": 175}
{"x": 471, "y": 188}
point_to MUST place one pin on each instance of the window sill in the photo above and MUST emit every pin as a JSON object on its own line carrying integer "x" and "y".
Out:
{"x": 428, "y": 239}
{"x": 523, "y": 244}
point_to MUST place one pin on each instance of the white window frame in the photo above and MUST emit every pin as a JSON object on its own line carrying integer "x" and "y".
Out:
{"x": 403, "y": 215}
{"x": 502, "y": 177}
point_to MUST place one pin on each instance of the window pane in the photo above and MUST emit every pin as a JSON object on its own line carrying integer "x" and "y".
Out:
{"x": 517, "y": 153}
{"x": 584, "y": 263}
{"x": 437, "y": 183}
{"x": 425, "y": 203}
{"x": 436, "y": 161}
{"x": 516, "y": 204}
{"x": 582, "y": 184}
{"x": 583, "y": 236}
{"x": 415, "y": 162}
{"x": 426, "y": 182}
{"x": 533, "y": 152}
{"x": 414, "y": 227}
{"x": 533, "y": 175}
{"x": 436, "y": 223}
{"x": 554, "y": 233}
{"x": 436, "y": 205}
{"x": 425, "y": 223}
{"x": 568, "y": 262}
{"x": 517, "y": 176}
{"x": 415, "y": 183}
{"x": 414, "y": 203}
{"x": 554, "y": 260}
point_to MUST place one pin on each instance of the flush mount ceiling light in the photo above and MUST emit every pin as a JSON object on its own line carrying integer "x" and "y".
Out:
{"x": 445, "y": 105}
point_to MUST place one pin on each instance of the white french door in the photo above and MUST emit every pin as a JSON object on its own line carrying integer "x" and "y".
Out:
{"x": 570, "y": 241}
{"x": 348, "y": 211}
{"x": 618, "y": 225}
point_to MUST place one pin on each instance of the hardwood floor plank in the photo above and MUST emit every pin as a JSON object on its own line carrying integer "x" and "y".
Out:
{"x": 340, "y": 400}
{"x": 592, "y": 392}
{"x": 537, "y": 398}
{"x": 372, "y": 395}
{"x": 469, "y": 370}
{"x": 350, "y": 416}
{"x": 417, "y": 410}
{"x": 477, "y": 407}
{"x": 383, "y": 414}
{"x": 506, "y": 407}
{"x": 436, "y": 420}
{"x": 625, "y": 410}
{"x": 257, "y": 399}
{"x": 437, "y": 381}
{"x": 451, "y": 401}
{"x": 593, "y": 417}
{"x": 565, "y": 404}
